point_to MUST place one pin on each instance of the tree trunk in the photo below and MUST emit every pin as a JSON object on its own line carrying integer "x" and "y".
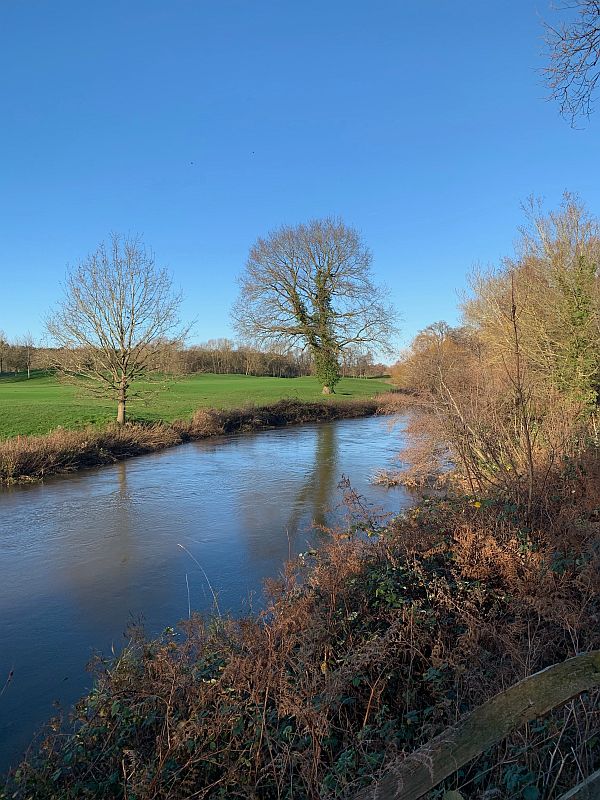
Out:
{"x": 122, "y": 402}
{"x": 328, "y": 390}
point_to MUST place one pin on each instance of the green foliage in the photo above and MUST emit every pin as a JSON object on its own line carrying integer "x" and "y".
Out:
{"x": 327, "y": 368}
{"x": 578, "y": 367}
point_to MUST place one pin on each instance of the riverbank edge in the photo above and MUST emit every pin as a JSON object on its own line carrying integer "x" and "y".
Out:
{"x": 26, "y": 459}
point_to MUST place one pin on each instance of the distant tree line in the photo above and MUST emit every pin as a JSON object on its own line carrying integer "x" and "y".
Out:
{"x": 217, "y": 356}
{"x": 19, "y": 355}
{"x": 223, "y": 356}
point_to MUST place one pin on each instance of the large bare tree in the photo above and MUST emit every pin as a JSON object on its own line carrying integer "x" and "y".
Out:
{"x": 311, "y": 285}
{"x": 118, "y": 310}
{"x": 574, "y": 50}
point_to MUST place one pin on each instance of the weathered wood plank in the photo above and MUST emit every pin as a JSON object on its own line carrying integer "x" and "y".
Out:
{"x": 589, "y": 789}
{"x": 411, "y": 777}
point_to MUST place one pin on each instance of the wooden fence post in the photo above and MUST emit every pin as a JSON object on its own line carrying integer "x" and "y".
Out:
{"x": 589, "y": 789}
{"x": 413, "y": 776}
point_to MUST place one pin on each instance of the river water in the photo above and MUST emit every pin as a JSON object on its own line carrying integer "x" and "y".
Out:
{"x": 81, "y": 557}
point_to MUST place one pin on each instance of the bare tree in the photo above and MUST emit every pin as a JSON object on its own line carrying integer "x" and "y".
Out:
{"x": 4, "y": 348}
{"x": 311, "y": 285}
{"x": 117, "y": 311}
{"x": 574, "y": 51}
{"x": 25, "y": 347}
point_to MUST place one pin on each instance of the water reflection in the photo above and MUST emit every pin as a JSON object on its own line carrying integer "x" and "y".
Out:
{"x": 319, "y": 485}
{"x": 280, "y": 500}
{"x": 81, "y": 557}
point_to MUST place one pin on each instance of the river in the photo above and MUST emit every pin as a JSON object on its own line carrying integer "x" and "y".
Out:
{"x": 83, "y": 556}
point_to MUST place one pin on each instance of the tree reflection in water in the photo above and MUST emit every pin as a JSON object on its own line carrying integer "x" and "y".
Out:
{"x": 319, "y": 486}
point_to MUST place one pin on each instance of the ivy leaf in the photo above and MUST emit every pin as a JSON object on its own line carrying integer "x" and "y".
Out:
{"x": 531, "y": 793}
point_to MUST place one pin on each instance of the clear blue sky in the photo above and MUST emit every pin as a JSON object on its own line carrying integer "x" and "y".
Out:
{"x": 203, "y": 124}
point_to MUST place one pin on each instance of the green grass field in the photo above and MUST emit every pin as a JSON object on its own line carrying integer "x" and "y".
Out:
{"x": 42, "y": 403}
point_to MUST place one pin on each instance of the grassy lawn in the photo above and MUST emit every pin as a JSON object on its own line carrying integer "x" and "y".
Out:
{"x": 42, "y": 403}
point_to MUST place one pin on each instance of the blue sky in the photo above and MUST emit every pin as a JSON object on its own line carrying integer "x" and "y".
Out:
{"x": 202, "y": 125}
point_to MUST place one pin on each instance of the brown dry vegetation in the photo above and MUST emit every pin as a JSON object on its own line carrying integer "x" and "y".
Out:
{"x": 511, "y": 398}
{"x": 26, "y": 458}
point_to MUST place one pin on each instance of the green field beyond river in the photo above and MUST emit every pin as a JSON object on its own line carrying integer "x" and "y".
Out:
{"x": 41, "y": 404}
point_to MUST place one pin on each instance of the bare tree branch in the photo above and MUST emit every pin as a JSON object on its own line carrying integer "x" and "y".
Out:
{"x": 574, "y": 52}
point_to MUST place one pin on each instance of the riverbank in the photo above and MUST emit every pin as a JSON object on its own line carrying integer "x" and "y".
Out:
{"x": 33, "y": 458}
{"x": 367, "y": 649}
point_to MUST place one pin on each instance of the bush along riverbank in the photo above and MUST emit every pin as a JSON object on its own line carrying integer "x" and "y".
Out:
{"x": 366, "y": 650}
{"x": 30, "y": 458}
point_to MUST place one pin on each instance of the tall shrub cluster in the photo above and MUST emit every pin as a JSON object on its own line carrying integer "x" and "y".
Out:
{"x": 511, "y": 397}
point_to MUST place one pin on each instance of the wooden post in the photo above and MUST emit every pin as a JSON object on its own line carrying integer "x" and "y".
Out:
{"x": 413, "y": 776}
{"x": 589, "y": 789}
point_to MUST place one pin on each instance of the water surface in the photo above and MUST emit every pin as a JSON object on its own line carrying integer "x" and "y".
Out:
{"x": 83, "y": 556}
